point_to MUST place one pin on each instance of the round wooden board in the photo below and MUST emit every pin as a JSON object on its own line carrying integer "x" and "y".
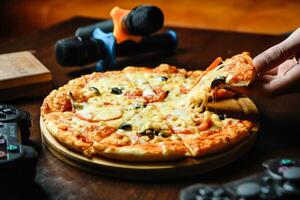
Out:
{"x": 159, "y": 170}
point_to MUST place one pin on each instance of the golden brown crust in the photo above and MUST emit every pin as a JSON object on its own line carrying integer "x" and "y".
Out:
{"x": 167, "y": 150}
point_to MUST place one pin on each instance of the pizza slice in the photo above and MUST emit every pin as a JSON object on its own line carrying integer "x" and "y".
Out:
{"x": 146, "y": 137}
{"x": 205, "y": 132}
{"x": 74, "y": 133}
{"x": 237, "y": 71}
{"x": 219, "y": 133}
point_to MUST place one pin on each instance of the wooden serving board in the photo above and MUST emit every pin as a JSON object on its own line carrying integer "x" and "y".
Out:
{"x": 161, "y": 170}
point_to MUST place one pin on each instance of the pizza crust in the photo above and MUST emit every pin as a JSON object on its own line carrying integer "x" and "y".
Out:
{"x": 168, "y": 150}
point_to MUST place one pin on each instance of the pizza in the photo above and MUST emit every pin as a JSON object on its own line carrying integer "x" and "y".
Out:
{"x": 150, "y": 114}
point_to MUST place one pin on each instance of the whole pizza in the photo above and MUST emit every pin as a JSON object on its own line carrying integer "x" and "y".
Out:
{"x": 150, "y": 114}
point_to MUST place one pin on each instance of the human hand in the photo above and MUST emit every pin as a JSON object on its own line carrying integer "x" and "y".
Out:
{"x": 278, "y": 69}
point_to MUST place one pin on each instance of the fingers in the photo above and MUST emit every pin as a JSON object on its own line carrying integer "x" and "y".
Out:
{"x": 285, "y": 67}
{"x": 267, "y": 78}
{"x": 282, "y": 68}
{"x": 257, "y": 89}
{"x": 275, "y": 55}
{"x": 272, "y": 71}
{"x": 284, "y": 83}
{"x": 276, "y": 85}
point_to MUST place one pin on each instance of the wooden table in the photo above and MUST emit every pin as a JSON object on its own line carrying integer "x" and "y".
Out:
{"x": 197, "y": 48}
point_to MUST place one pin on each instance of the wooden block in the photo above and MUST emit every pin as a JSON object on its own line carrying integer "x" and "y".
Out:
{"x": 23, "y": 75}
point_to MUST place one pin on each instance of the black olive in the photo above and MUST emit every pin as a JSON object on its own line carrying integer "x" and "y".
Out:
{"x": 74, "y": 104}
{"x": 164, "y": 78}
{"x": 97, "y": 92}
{"x": 148, "y": 132}
{"x": 155, "y": 132}
{"x": 125, "y": 126}
{"x": 71, "y": 96}
{"x": 217, "y": 81}
{"x": 116, "y": 91}
{"x": 222, "y": 116}
{"x": 137, "y": 106}
{"x": 164, "y": 134}
{"x": 220, "y": 67}
{"x": 167, "y": 93}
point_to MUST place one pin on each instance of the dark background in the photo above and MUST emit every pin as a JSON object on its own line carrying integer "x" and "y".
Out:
{"x": 19, "y": 17}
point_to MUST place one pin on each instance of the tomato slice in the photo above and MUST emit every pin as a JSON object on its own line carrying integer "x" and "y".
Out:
{"x": 160, "y": 95}
{"x": 183, "y": 90}
{"x": 214, "y": 64}
{"x": 107, "y": 130}
{"x": 134, "y": 94}
{"x": 205, "y": 125}
{"x": 184, "y": 131}
{"x": 223, "y": 94}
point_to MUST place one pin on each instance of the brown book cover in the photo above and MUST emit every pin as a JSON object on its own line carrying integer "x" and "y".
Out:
{"x": 23, "y": 75}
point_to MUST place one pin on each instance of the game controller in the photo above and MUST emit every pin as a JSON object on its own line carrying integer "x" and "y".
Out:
{"x": 17, "y": 159}
{"x": 280, "y": 180}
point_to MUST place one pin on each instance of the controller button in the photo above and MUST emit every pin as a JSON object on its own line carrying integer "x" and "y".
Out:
{"x": 216, "y": 198}
{"x": 2, "y": 141}
{"x": 265, "y": 190}
{"x": 282, "y": 169}
{"x": 205, "y": 191}
{"x": 287, "y": 162}
{"x": 8, "y": 110}
{"x": 199, "y": 197}
{"x": 292, "y": 174}
{"x": 2, "y": 155}
{"x": 219, "y": 192}
{"x": 267, "y": 179}
{"x": 290, "y": 188}
{"x": 250, "y": 189}
{"x": 2, "y": 115}
{"x": 13, "y": 148}
{"x": 1, "y": 124}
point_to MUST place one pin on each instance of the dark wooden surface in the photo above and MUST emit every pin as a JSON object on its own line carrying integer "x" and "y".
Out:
{"x": 197, "y": 48}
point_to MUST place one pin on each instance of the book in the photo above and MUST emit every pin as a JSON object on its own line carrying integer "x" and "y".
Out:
{"x": 23, "y": 75}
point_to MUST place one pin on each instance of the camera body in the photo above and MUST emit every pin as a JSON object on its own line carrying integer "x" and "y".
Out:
{"x": 17, "y": 159}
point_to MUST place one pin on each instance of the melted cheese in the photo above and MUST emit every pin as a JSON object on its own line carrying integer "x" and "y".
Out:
{"x": 200, "y": 94}
{"x": 149, "y": 118}
{"x": 180, "y": 118}
{"x": 106, "y": 83}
